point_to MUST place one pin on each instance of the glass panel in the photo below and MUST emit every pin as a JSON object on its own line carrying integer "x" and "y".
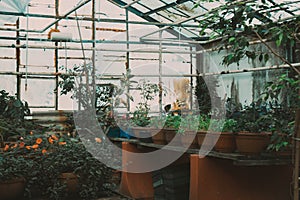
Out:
{"x": 140, "y": 8}
{"x": 152, "y": 4}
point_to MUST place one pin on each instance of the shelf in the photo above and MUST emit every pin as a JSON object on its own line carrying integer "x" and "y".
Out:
{"x": 238, "y": 159}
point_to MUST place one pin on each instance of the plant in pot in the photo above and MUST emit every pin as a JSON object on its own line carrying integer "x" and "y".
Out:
{"x": 225, "y": 134}
{"x": 13, "y": 173}
{"x": 203, "y": 125}
{"x": 141, "y": 116}
{"x": 63, "y": 168}
{"x": 188, "y": 130}
{"x": 171, "y": 128}
{"x": 156, "y": 125}
{"x": 283, "y": 97}
{"x": 12, "y": 113}
{"x": 254, "y": 126}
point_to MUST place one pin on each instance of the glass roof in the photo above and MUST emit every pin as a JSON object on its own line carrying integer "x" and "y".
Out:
{"x": 187, "y": 15}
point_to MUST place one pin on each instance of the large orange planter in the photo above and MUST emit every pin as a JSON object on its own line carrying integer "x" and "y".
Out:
{"x": 226, "y": 143}
{"x": 170, "y": 136}
{"x": 158, "y": 136}
{"x": 190, "y": 139}
{"x": 71, "y": 182}
{"x": 252, "y": 143}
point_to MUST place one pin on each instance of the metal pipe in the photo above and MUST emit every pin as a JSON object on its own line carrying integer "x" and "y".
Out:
{"x": 90, "y": 41}
{"x": 97, "y": 49}
{"x": 93, "y": 51}
{"x": 65, "y": 15}
{"x": 105, "y": 20}
{"x": 18, "y": 60}
{"x": 130, "y": 4}
{"x": 160, "y": 73}
{"x": 157, "y": 75}
{"x": 56, "y": 59}
{"x": 127, "y": 65}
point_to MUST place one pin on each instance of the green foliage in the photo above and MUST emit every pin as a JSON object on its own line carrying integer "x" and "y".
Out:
{"x": 229, "y": 125}
{"x": 283, "y": 91}
{"x": 12, "y": 107}
{"x": 41, "y": 159}
{"x": 204, "y": 121}
{"x": 148, "y": 91}
{"x": 173, "y": 122}
{"x": 236, "y": 24}
{"x": 157, "y": 121}
{"x": 12, "y": 166}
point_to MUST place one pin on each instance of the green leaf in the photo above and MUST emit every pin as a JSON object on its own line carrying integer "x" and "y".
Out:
{"x": 266, "y": 57}
{"x": 279, "y": 40}
{"x": 231, "y": 39}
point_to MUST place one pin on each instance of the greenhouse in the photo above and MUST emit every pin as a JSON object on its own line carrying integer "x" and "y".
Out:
{"x": 149, "y": 99}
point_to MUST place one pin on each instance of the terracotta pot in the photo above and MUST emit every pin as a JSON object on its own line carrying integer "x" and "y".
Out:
{"x": 158, "y": 136}
{"x": 170, "y": 136}
{"x": 226, "y": 143}
{"x": 143, "y": 134}
{"x": 190, "y": 138}
{"x": 200, "y": 138}
{"x": 71, "y": 182}
{"x": 12, "y": 189}
{"x": 252, "y": 143}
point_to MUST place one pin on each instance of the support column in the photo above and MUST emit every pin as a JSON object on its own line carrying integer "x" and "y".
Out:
{"x": 18, "y": 61}
{"x": 216, "y": 179}
{"x": 56, "y": 59}
{"x": 135, "y": 185}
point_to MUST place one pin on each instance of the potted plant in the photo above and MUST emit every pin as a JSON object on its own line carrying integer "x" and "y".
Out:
{"x": 158, "y": 134}
{"x": 171, "y": 128}
{"x": 188, "y": 131}
{"x": 204, "y": 121}
{"x": 13, "y": 173}
{"x": 141, "y": 118}
{"x": 226, "y": 139}
{"x": 253, "y": 129}
{"x": 61, "y": 167}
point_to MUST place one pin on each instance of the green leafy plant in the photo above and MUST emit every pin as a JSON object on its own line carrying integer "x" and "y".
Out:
{"x": 12, "y": 107}
{"x": 43, "y": 158}
{"x": 229, "y": 125}
{"x": 204, "y": 122}
{"x": 235, "y": 24}
{"x": 148, "y": 91}
{"x": 173, "y": 122}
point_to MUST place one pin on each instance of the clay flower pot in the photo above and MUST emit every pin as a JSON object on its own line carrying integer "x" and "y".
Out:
{"x": 252, "y": 143}
{"x": 158, "y": 136}
{"x": 226, "y": 143}
{"x": 188, "y": 138}
{"x": 12, "y": 189}
{"x": 71, "y": 182}
{"x": 170, "y": 136}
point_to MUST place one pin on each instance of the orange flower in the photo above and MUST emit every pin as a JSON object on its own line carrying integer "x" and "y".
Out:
{"x": 6, "y": 147}
{"x": 14, "y": 146}
{"x": 44, "y": 151}
{"x": 98, "y": 140}
{"x": 38, "y": 140}
{"x": 50, "y": 140}
{"x": 35, "y": 146}
{"x": 54, "y": 137}
{"x": 62, "y": 143}
{"x": 28, "y": 147}
{"x": 22, "y": 144}
{"x": 31, "y": 132}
